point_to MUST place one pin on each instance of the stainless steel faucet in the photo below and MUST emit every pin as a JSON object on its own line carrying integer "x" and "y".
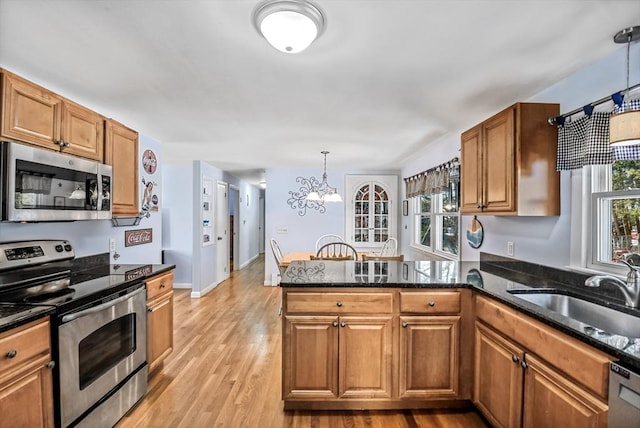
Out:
{"x": 630, "y": 289}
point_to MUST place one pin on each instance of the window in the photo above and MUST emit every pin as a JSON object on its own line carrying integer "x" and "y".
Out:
{"x": 615, "y": 214}
{"x": 436, "y": 222}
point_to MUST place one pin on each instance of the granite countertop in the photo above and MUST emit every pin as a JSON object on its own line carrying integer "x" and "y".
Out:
{"x": 494, "y": 277}
{"x": 14, "y": 315}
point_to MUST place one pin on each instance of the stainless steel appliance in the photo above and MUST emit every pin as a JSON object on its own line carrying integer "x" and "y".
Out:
{"x": 98, "y": 330}
{"x": 43, "y": 185}
{"x": 624, "y": 397}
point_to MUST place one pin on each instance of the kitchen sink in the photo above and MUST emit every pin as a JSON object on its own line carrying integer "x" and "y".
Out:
{"x": 601, "y": 317}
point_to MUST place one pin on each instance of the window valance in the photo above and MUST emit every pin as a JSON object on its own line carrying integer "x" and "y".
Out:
{"x": 433, "y": 180}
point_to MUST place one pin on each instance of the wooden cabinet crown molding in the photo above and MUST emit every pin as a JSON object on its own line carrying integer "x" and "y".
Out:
{"x": 508, "y": 163}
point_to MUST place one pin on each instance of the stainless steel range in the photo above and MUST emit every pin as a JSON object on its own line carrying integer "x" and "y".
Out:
{"x": 98, "y": 330}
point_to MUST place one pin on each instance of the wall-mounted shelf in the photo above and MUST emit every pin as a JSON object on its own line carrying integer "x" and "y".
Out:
{"x": 206, "y": 207}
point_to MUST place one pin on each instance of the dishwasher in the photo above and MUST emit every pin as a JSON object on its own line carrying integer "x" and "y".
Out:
{"x": 624, "y": 397}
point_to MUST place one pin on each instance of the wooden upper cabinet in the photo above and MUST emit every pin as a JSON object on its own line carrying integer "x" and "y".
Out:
{"x": 82, "y": 131}
{"x": 34, "y": 115}
{"x": 30, "y": 113}
{"x": 508, "y": 163}
{"x": 121, "y": 152}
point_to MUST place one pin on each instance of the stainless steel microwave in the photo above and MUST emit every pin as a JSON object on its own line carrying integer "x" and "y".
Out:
{"x": 42, "y": 185}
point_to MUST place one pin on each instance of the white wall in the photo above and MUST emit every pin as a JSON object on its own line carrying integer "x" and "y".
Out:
{"x": 195, "y": 264}
{"x": 92, "y": 237}
{"x": 544, "y": 240}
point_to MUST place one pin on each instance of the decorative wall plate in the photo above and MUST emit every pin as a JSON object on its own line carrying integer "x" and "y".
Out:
{"x": 475, "y": 233}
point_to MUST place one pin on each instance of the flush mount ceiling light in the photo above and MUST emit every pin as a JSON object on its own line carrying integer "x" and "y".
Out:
{"x": 624, "y": 127}
{"x": 289, "y": 25}
{"x": 324, "y": 192}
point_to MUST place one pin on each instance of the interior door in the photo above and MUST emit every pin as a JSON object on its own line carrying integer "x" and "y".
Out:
{"x": 222, "y": 231}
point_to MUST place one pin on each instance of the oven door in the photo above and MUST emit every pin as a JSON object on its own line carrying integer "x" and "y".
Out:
{"x": 99, "y": 348}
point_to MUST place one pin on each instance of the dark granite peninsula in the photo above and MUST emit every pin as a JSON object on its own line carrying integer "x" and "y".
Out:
{"x": 427, "y": 334}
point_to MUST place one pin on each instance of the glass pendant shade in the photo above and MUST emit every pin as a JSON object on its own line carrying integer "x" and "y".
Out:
{"x": 624, "y": 128}
{"x": 323, "y": 192}
{"x": 289, "y": 25}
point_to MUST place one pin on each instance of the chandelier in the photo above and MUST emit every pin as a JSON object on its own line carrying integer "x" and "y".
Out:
{"x": 323, "y": 192}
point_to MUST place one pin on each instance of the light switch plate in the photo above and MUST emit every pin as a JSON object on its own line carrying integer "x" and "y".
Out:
{"x": 510, "y": 248}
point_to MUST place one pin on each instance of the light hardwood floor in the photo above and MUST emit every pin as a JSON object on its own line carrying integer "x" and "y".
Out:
{"x": 226, "y": 366}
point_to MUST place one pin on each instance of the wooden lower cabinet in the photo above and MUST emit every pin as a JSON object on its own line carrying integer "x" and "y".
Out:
{"x": 337, "y": 357}
{"x": 515, "y": 388}
{"x": 498, "y": 378}
{"x": 159, "y": 319}
{"x": 550, "y": 399}
{"x": 378, "y": 349}
{"x": 26, "y": 388}
{"x": 429, "y": 357}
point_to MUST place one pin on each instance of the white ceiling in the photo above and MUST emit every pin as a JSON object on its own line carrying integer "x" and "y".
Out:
{"x": 386, "y": 78}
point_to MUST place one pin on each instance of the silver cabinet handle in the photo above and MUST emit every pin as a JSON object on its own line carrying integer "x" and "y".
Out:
{"x": 515, "y": 358}
{"x": 432, "y": 303}
{"x": 405, "y": 324}
{"x": 339, "y": 304}
{"x": 343, "y": 324}
{"x": 524, "y": 364}
{"x": 12, "y": 353}
{"x": 335, "y": 323}
{"x": 50, "y": 364}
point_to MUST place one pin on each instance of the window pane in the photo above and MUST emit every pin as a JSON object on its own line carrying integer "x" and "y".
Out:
{"x": 450, "y": 234}
{"x": 625, "y": 222}
{"x": 626, "y": 175}
{"x": 425, "y": 231}
{"x": 425, "y": 204}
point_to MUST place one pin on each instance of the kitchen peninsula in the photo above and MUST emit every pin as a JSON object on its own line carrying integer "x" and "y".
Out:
{"x": 427, "y": 334}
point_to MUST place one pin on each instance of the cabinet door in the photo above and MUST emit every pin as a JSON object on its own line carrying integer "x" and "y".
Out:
{"x": 121, "y": 152}
{"x": 310, "y": 366}
{"x": 498, "y": 172}
{"x": 159, "y": 329}
{"x": 365, "y": 357}
{"x": 30, "y": 113}
{"x": 471, "y": 171}
{"x": 498, "y": 379}
{"x": 429, "y": 357}
{"x": 27, "y": 401}
{"x": 83, "y": 130}
{"x": 553, "y": 400}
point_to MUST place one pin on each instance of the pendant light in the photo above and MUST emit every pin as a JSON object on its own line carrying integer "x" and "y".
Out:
{"x": 324, "y": 192}
{"x": 289, "y": 25}
{"x": 624, "y": 127}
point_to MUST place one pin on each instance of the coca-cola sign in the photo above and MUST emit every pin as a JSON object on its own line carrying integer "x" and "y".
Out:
{"x": 138, "y": 237}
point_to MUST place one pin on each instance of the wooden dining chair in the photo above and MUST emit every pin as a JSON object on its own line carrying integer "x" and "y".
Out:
{"x": 389, "y": 248}
{"x": 336, "y": 251}
{"x": 367, "y": 257}
{"x": 277, "y": 254}
{"x": 327, "y": 238}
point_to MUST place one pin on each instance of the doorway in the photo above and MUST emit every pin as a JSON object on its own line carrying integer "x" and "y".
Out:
{"x": 222, "y": 232}
{"x": 234, "y": 227}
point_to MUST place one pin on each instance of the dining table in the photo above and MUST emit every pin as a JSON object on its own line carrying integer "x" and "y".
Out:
{"x": 304, "y": 255}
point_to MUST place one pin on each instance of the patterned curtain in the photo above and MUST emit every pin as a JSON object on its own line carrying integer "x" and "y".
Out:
{"x": 585, "y": 141}
{"x": 434, "y": 180}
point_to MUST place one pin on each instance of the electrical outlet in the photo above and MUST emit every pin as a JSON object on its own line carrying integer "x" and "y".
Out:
{"x": 112, "y": 245}
{"x": 510, "y": 249}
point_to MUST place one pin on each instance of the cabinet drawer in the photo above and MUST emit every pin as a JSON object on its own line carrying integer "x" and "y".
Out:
{"x": 159, "y": 284}
{"x": 25, "y": 343}
{"x": 430, "y": 302}
{"x": 338, "y": 303}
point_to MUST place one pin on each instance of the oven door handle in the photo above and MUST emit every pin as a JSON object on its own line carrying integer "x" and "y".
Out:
{"x": 102, "y": 306}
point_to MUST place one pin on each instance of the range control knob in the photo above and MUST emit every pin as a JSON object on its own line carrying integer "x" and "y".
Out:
{"x": 58, "y": 248}
{"x": 67, "y": 247}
